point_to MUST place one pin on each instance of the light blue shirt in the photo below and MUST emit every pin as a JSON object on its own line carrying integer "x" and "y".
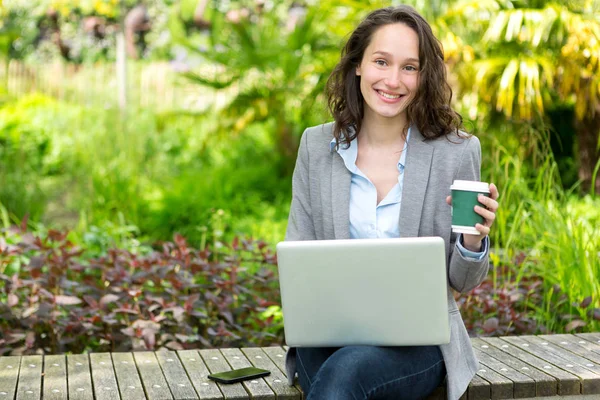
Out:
{"x": 371, "y": 220}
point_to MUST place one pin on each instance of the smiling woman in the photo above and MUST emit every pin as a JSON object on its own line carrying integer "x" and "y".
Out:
{"x": 389, "y": 73}
{"x": 383, "y": 169}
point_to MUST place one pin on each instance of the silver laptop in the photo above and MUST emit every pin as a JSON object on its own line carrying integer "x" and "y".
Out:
{"x": 385, "y": 292}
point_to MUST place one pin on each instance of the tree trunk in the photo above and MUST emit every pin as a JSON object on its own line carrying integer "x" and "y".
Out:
{"x": 287, "y": 146}
{"x": 588, "y": 131}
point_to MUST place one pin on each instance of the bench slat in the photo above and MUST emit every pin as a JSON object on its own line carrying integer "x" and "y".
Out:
{"x": 103, "y": 377}
{"x": 154, "y": 382}
{"x": 567, "y": 353}
{"x": 55, "y": 378}
{"x": 9, "y": 376}
{"x": 79, "y": 377}
{"x": 130, "y": 385}
{"x": 178, "y": 381}
{"x": 576, "y": 345}
{"x": 592, "y": 337}
{"x": 522, "y": 385}
{"x": 277, "y": 380}
{"x": 555, "y": 363}
{"x": 568, "y": 383}
{"x": 545, "y": 385}
{"x": 216, "y": 363}
{"x": 257, "y": 388}
{"x": 198, "y": 372}
{"x": 479, "y": 389}
{"x": 30, "y": 378}
{"x": 589, "y": 372}
{"x": 277, "y": 355}
{"x": 500, "y": 386}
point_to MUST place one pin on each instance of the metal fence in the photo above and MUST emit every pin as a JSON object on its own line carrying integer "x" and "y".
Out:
{"x": 149, "y": 85}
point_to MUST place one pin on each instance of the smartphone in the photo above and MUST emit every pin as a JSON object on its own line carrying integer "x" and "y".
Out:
{"x": 238, "y": 375}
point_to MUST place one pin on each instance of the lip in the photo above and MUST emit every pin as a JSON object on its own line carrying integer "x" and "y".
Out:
{"x": 385, "y": 99}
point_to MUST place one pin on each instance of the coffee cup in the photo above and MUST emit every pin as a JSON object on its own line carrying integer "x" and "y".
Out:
{"x": 464, "y": 200}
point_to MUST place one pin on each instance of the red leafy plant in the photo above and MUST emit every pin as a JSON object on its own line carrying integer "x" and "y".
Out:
{"x": 54, "y": 299}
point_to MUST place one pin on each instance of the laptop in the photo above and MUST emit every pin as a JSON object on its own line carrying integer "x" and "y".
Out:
{"x": 383, "y": 292}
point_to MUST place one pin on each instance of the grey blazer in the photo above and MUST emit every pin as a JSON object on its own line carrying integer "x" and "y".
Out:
{"x": 320, "y": 210}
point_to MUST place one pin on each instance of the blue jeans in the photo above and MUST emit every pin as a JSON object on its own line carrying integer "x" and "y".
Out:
{"x": 369, "y": 372}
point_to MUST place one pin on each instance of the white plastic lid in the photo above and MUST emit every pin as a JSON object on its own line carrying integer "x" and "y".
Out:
{"x": 473, "y": 186}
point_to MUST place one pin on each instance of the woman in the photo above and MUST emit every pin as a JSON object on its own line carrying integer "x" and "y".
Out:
{"x": 384, "y": 168}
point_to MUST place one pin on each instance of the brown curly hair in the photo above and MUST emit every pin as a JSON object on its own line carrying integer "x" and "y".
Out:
{"x": 430, "y": 110}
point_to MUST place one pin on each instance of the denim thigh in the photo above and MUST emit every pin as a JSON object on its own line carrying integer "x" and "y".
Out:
{"x": 370, "y": 372}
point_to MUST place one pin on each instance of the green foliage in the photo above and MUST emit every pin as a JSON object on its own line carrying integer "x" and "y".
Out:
{"x": 550, "y": 231}
{"x": 161, "y": 173}
{"x": 274, "y": 65}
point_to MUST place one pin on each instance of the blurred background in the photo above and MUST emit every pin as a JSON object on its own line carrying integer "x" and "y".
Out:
{"x": 124, "y": 122}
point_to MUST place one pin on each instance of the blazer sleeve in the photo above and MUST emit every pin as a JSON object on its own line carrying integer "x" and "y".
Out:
{"x": 464, "y": 273}
{"x": 300, "y": 221}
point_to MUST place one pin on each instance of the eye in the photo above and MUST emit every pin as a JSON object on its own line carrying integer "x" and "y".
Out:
{"x": 411, "y": 68}
{"x": 380, "y": 62}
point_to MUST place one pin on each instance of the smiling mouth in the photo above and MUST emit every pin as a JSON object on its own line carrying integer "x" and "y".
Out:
{"x": 389, "y": 96}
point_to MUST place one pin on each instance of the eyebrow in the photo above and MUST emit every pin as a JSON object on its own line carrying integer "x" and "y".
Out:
{"x": 385, "y": 53}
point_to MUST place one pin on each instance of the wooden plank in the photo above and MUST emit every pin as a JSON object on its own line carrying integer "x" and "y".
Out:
{"x": 568, "y": 383}
{"x": 584, "y": 337}
{"x": 277, "y": 356}
{"x": 545, "y": 385}
{"x": 152, "y": 377}
{"x": 103, "y": 377}
{"x": 592, "y": 337}
{"x": 79, "y": 377}
{"x": 591, "y": 378}
{"x": 257, "y": 388}
{"x": 522, "y": 385}
{"x": 55, "y": 378}
{"x": 590, "y": 382}
{"x": 215, "y": 361}
{"x": 479, "y": 389}
{"x": 584, "y": 348}
{"x": 277, "y": 380}
{"x": 568, "y": 354}
{"x": 130, "y": 384}
{"x": 198, "y": 373}
{"x": 500, "y": 386}
{"x": 30, "y": 378}
{"x": 9, "y": 376}
{"x": 178, "y": 381}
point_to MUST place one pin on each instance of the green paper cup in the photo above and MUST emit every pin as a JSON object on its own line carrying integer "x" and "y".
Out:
{"x": 464, "y": 200}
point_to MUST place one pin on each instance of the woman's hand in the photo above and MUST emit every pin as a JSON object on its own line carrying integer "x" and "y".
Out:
{"x": 488, "y": 212}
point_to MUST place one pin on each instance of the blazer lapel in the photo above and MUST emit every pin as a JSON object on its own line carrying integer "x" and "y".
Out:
{"x": 340, "y": 196}
{"x": 416, "y": 176}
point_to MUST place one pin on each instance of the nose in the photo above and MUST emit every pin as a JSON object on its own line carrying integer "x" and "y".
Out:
{"x": 393, "y": 79}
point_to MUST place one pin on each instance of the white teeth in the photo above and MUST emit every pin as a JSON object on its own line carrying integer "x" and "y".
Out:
{"x": 388, "y": 96}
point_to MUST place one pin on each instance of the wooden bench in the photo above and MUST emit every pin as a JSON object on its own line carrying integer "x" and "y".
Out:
{"x": 548, "y": 367}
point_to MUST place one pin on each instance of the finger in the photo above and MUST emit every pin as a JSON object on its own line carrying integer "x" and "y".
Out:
{"x": 491, "y": 204}
{"x": 484, "y": 230}
{"x": 494, "y": 191}
{"x": 488, "y": 215}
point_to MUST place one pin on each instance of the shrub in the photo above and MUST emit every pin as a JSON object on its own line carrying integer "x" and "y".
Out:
{"x": 54, "y": 299}
{"x": 514, "y": 301}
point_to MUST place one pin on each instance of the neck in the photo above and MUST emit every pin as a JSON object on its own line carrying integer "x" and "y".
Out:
{"x": 383, "y": 131}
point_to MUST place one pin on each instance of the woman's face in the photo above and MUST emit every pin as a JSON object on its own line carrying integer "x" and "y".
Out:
{"x": 389, "y": 72}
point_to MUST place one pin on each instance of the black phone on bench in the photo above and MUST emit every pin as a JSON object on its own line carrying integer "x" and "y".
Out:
{"x": 238, "y": 375}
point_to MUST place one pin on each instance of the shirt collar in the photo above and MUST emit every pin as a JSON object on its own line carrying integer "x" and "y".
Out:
{"x": 350, "y": 153}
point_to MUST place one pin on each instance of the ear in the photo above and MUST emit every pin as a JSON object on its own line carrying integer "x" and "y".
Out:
{"x": 358, "y": 70}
